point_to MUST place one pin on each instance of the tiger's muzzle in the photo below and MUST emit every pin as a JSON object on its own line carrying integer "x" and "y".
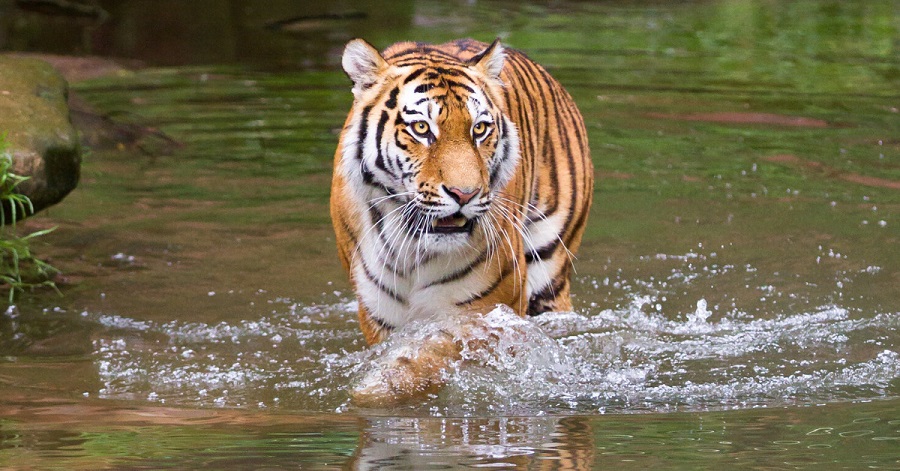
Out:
{"x": 454, "y": 224}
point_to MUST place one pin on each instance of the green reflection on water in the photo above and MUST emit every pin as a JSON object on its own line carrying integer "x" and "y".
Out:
{"x": 858, "y": 435}
{"x": 635, "y": 73}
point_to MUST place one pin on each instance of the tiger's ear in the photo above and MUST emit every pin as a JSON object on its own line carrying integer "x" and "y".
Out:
{"x": 363, "y": 64}
{"x": 490, "y": 61}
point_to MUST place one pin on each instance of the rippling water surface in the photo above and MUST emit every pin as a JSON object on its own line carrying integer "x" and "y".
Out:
{"x": 736, "y": 292}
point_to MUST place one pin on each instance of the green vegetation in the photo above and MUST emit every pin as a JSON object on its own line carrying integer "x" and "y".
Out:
{"x": 19, "y": 269}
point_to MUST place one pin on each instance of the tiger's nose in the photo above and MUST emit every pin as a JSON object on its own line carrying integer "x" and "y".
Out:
{"x": 462, "y": 195}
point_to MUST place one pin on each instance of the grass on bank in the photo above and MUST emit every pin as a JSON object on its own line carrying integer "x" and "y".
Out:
{"x": 19, "y": 268}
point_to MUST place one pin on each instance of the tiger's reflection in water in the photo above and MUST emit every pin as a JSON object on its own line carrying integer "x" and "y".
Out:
{"x": 494, "y": 442}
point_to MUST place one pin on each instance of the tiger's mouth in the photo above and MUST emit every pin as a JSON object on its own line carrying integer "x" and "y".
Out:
{"x": 454, "y": 224}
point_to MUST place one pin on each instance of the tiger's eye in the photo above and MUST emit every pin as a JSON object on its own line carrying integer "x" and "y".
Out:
{"x": 420, "y": 127}
{"x": 479, "y": 129}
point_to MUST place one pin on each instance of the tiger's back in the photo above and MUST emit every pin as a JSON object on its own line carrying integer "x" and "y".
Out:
{"x": 488, "y": 207}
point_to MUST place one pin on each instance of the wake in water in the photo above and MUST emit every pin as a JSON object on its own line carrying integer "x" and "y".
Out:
{"x": 651, "y": 363}
{"x": 623, "y": 360}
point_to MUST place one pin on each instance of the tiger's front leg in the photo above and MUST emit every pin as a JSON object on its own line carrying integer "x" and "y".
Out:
{"x": 419, "y": 363}
{"x": 409, "y": 371}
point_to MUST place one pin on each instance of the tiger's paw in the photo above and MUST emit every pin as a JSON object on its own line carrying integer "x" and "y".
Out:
{"x": 417, "y": 361}
{"x": 407, "y": 371}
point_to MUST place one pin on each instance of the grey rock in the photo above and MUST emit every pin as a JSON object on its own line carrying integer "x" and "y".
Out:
{"x": 35, "y": 117}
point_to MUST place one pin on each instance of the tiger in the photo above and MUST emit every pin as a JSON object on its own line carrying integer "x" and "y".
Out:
{"x": 462, "y": 181}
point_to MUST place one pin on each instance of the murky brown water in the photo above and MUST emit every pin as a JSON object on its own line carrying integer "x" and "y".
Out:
{"x": 736, "y": 300}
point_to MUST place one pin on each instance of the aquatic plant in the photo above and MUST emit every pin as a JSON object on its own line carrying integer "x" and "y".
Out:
{"x": 19, "y": 268}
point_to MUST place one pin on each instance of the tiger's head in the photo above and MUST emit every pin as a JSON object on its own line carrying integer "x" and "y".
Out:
{"x": 428, "y": 145}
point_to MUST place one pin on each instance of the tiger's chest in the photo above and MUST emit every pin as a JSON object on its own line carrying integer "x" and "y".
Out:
{"x": 402, "y": 287}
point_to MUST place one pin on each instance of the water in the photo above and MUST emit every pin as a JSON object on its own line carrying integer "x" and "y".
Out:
{"x": 736, "y": 300}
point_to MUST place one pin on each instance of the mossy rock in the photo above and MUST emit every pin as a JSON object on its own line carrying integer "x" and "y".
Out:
{"x": 44, "y": 144}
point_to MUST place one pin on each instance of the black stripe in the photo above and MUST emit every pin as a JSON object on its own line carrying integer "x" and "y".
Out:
{"x": 544, "y": 253}
{"x": 541, "y": 301}
{"x": 380, "y": 161}
{"x": 377, "y": 217}
{"x": 469, "y": 45}
{"x": 453, "y": 83}
{"x": 490, "y": 289}
{"x": 401, "y": 146}
{"x": 461, "y": 272}
{"x": 450, "y": 72}
{"x": 384, "y": 289}
{"x": 488, "y": 93}
{"x": 363, "y": 130}
{"x": 381, "y": 322}
{"x": 492, "y": 179}
{"x": 391, "y": 254}
{"x": 416, "y": 50}
{"x": 420, "y": 52}
{"x": 392, "y": 99}
{"x": 505, "y": 153}
{"x": 578, "y": 227}
{"x": 369, "y": 179}
{"x": 415, "y": 74}
{"x": 414, "y": 61}
{"x": 349, "y": 230}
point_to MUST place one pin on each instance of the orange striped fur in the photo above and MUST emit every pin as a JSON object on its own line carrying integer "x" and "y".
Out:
{"x": 462, "y": 180}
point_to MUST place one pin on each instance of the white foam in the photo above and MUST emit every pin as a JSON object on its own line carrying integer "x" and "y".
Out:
{"x": 616, "y": 360}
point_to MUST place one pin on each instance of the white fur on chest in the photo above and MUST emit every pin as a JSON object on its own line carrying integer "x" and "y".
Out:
{"x": 412, "y": 292}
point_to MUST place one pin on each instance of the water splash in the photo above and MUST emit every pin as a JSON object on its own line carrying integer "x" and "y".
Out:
{"x": 654, "y": 363}
{"x": 499, "y": 359}
{"x": 622, "y": 360}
